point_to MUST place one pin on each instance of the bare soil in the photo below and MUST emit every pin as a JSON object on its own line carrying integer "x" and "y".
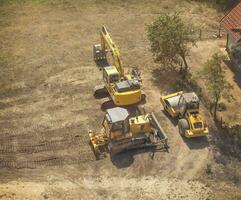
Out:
{"x": 47, "y": 105}
{"x": 230, "y": 115}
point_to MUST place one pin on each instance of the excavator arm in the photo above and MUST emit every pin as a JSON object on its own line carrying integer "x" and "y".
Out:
{"x": 108, "y": 44}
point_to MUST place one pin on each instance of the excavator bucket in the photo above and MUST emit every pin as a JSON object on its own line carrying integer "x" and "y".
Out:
{"x": 100, "y": 56}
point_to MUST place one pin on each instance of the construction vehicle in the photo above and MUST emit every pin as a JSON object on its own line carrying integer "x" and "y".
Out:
{"x": 120, "y": 88}
{"x": 185, "y": 106}
{"x": 121, "y": 132}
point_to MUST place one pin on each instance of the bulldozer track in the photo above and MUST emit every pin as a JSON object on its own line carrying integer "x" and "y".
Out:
{"x": 12, "y": 147}
{"x": 83, "y": 157}
{"x": 23, "y": 144}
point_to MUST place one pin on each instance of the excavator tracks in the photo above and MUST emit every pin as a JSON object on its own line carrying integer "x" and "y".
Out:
{"x": 100, "y": 92}
{"x": 107, "y": 103}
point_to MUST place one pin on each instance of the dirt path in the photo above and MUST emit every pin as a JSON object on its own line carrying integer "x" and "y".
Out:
{"x": 109, "y": 188}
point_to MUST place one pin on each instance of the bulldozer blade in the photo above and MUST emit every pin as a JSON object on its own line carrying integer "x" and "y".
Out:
{"x": 159, "y": 132}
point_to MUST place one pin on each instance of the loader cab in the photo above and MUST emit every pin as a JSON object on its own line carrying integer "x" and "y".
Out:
{"x": 189, "y": 102}
{"x": 111, "y": 75}
{"x": 116, "y": 122}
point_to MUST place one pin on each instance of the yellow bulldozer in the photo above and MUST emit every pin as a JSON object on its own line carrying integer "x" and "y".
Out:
{"x": 120, "y": 88}
{"x": 121, "y": 132}
{"x": 185, "y": 106}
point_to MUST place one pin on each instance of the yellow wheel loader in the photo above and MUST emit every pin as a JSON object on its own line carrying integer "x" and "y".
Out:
{"x": 120, "y": 88}
{"x": 121, "y": 132}
{"x": 185, "y": 106}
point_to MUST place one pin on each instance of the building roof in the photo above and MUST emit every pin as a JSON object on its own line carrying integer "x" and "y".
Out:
{"x": 232, "y": 22}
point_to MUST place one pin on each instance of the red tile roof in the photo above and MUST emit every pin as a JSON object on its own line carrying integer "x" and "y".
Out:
{"x": 232, "y": 22}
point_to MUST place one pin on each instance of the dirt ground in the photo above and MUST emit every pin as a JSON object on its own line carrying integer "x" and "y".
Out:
{"x": 200, "y": 55}
{"x": 47, "y": 105}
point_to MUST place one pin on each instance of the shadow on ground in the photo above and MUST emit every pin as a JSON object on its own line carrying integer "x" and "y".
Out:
{"x": 164, "y": 79}
{"x": 236, "y": 71}
{"x": 173, "y": 120}
{"x": 196, "y": 143}
{"x": 126, "y": 159}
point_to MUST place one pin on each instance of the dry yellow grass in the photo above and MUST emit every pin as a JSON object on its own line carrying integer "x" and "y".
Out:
{"x": 46, "y": 84}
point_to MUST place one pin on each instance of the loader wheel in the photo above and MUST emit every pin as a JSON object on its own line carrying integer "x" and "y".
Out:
{"x": 183, "y": 126}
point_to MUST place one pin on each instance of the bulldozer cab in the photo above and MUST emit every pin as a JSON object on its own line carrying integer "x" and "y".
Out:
{"x": 188, "y": 101}
{"x": 116, "y": 122}
{"x": 111, "y": 75}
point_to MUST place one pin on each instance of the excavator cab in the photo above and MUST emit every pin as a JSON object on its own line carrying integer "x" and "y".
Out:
{"x": 111, "y": 75}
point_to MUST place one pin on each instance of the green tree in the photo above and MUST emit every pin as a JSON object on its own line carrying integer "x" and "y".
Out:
{"x": 223, "y": 4}
{"x": 169, "y": 39}
{"x": 226, "y": 4}
{"x": 217, "y": 85}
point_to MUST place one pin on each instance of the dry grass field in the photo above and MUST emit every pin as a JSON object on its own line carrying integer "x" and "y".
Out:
{"x": 47, "y": 105}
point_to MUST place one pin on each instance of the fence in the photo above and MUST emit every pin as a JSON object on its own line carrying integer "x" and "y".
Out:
{"x": 209, "y": 34}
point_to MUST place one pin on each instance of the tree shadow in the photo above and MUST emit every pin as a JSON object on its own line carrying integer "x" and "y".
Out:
{"x": 196, "y": 143}
{"x": 227, "y": 146}
{"x": 165, "y": 79}
{"x": 235, "y": 70}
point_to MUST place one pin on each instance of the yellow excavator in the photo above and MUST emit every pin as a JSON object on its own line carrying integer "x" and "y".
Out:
{"x": 121, "y": 132}
{"x": 185, "y": 106}
{"x": 120, "y": 88}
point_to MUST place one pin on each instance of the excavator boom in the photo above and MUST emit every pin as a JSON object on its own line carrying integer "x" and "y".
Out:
{"x": 122, "y": 89}
{"x": 107, "y": 43}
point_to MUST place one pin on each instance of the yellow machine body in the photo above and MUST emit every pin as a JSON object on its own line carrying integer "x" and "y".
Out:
{"x": 139, "y": 124}
{"x": 195, "y": 125}
{"x": 114, "y": 76}
{"x": 171, "y": 110}
{"x": 121, "y": 132}
{"x": 131, "y": 96}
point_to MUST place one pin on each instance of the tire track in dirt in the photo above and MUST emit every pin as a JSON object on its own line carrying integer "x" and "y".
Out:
{"x": 23, "y": 145}
{"x": 9, "y": 147}
{"x": 84, "y": 157}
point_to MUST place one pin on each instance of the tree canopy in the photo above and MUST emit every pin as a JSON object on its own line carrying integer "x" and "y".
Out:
{"x": 217, "y": 85}
{"x": 169, "y": 39}
{"x": 226, "y": 4}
